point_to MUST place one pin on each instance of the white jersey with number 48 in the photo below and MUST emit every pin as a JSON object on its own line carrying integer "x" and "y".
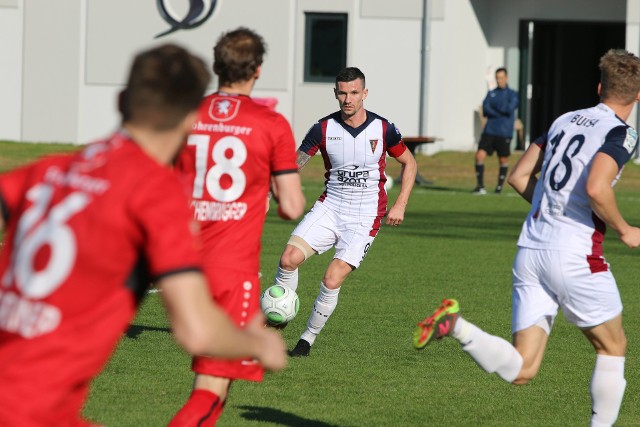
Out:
{"x": 561, "y": 216}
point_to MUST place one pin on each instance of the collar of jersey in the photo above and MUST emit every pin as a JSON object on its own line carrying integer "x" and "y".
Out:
{"x": 232, "y": 95}
{"x": 604, "y": 107}
{"x": 354, "y": 132}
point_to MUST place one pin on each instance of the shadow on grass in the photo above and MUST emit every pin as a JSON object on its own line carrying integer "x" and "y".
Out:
{"x": 261, "y": 413}
{"x": 134, "y": 331}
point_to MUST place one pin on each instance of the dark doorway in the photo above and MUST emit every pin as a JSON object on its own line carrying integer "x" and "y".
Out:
{"x": 559, "y": 68}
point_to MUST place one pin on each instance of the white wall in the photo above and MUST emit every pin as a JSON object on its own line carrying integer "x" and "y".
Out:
{"x": 392, "y": 68}
{"x": 505, "y": 14}
{"x": 384, "y": 42}
{"x": 59, "y": 79}
{"x": 11, "y": 17}
{"x": 312, "y": 101}
{"x": 108, "y": 50}
{"x": 479, "y": 35}
{"x": 457, "y": 85}
{"x": 50, "y": 74}
{"x": 387, "y": 41}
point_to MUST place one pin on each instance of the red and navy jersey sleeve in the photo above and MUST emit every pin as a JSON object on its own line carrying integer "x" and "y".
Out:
{"x": 313, "y": 139}
{"x": 161, "y": 210}
{"x": 541, "y": 141}
{"x": 393, "y": 139}
{"x": 283, "y": 155}
{"x": 620, "y": 143}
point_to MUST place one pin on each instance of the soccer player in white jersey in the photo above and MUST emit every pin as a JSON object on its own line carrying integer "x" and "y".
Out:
{"x": 567, "y": 175}
{"x": 354, "y": 144}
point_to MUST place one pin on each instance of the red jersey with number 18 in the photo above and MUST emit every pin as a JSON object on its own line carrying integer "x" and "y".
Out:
{"x": 235, "y": 147}
{"x": 86, "y": 233}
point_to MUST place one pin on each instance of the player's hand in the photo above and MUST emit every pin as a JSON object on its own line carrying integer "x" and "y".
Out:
{"x": 631, "y": 237}
{"x": 395, "y": 216}
{"x": 272, "y": 351}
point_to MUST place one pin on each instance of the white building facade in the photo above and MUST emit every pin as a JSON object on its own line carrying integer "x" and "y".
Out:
{"x": 428, "y": 62}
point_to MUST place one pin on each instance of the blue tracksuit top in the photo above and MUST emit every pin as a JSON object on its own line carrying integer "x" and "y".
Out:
{"x": 499, "y": 107}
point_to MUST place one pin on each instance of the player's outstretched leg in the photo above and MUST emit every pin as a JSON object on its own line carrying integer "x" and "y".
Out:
{"x": 438, "y": 325}
{"x": 491, "y": 353}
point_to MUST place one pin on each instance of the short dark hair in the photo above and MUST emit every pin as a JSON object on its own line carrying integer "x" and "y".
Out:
{"x": 503, "y": 70}
{"x": 237, "y": 55}
{"x": 165, "y": 84}
{"x": 619, "y": 76}
{"x": 350, "y": 74}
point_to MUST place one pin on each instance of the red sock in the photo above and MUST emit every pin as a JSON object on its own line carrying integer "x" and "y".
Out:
{"x": 202, "y": 410}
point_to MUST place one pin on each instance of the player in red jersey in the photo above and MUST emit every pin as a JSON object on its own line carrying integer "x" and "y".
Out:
{"x": 236, "y": 149}
{"x": 85, "y": 235}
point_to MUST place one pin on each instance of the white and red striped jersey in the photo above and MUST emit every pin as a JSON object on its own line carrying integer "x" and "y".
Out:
{"x": 355, "y": 160}
{"x": 561, "y": 216}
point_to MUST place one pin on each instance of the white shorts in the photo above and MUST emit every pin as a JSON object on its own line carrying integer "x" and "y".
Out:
{"x": 352, "y": 237}
{"x": 544, "y": 280}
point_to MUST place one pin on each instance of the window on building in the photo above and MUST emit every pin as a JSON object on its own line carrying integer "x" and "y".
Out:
{"x": 325, "y": 46}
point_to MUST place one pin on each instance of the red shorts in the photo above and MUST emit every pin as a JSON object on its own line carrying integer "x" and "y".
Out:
{"x": 238, "y": 293}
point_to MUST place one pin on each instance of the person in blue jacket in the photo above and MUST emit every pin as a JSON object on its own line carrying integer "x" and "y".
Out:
{"x": 499, "y": 108}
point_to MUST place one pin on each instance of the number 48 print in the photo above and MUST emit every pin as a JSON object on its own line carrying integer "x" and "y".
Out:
{"x": 572, "y": 148}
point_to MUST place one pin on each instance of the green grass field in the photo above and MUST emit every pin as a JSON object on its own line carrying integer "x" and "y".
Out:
{"x": 363, "y": 370}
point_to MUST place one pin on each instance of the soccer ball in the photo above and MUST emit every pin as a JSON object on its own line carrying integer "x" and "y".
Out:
{"x": 389, "y": 184}
{"x": 279, "y": 304}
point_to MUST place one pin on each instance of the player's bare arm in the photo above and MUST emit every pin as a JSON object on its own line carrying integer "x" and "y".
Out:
{"x": 291, "y": 201}
{"x": 395, "y": 216}
{"x": 301, "y": 159}
{"x": 204, "y": 329}
{"x": 523, "y": 178}
{"x": 603, "y": 201}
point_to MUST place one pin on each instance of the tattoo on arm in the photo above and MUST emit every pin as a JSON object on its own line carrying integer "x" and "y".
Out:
{"x": 302, "y": 159}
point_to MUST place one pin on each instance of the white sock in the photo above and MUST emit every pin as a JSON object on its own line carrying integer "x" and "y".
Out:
{"x": 491, "y": 353}
{"x": 286, "y": 278}
{"x": 325, "y": 303}
{"x": 607, "y": 389}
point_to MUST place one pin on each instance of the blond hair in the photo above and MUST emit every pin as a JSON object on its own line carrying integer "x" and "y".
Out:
{"x": 619, "y": 76}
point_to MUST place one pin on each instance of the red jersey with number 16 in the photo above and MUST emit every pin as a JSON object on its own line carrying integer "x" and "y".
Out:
{"x": 86, "y": 233}
{"x": 235, "y": 147}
